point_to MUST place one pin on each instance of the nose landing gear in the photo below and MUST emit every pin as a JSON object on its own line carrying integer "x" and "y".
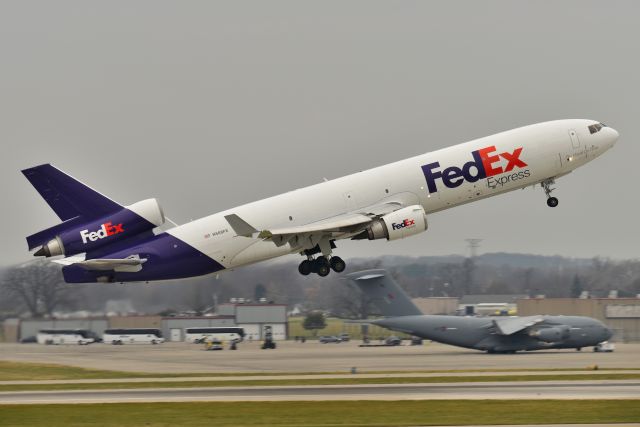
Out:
{"x": 552, "y": 202}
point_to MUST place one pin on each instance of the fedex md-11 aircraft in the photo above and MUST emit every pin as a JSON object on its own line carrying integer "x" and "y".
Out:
{"x": 103, "y": 241}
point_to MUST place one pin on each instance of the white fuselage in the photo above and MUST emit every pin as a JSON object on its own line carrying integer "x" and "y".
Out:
{"x": 547, "y": 150}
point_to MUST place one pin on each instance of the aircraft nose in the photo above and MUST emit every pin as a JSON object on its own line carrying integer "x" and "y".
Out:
{"x": 611, "y": 135}
{"x": 608, "y": 333}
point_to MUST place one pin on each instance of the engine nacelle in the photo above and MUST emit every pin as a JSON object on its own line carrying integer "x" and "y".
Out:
{"x": 554, "y": 334}
{"x": 129, "y": 221}
{"x": 402, "y": 223}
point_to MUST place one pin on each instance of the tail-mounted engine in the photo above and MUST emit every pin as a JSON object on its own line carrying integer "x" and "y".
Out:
{"x": 402, "y": 223}
{"x": 81, "y": 235}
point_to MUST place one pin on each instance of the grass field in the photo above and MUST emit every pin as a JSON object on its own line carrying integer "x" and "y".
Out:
{"x": 313, "y": 381}
{"x": 20, "y": 371}
{"x": 355, "y": 413}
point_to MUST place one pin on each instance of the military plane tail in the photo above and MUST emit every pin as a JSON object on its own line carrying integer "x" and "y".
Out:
{"x": 385, "y": 293}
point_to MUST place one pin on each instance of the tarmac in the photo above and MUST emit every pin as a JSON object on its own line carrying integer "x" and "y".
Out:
{"x": 294, "y": 360}
{"x": 294, "y": 357}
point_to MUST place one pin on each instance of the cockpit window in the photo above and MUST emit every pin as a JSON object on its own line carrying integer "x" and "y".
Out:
{"x": 595, "y": 128}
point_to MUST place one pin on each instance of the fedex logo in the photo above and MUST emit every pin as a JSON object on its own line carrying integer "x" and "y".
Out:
{"x": 104, "y": 231}
{"x": 406, "y": 223}
{"x": 486, "y": 163}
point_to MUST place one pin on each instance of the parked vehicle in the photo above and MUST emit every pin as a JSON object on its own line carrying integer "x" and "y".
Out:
{"x": 64, "y": 336}
{"x": 133, "y": 336}
{"x": 416, "y": 340}
{"x": 393, "y": 341}
{"x": 214, "y": 345}
{"x": 268, "y": 343}
{"x": 344, "y": 337}
{"x": 325, "y": 339}
{"x": 604, "y": 347}
{"x": 200, "y": 335}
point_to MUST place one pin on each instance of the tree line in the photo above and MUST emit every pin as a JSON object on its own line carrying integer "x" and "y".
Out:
{"x": 36, "y": 289}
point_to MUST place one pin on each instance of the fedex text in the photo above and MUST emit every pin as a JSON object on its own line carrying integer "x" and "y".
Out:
{"x": 406, "y": 223}
{"x": 486, "y": 163}
{"x": 107, "y": 229}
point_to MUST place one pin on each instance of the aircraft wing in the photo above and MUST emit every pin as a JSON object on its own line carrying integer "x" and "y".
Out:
{"x": 341, "y": 226}
{"x": 511, "y": 325}
{"x": 337, "y": 227}
{"x": 129, "y": 264}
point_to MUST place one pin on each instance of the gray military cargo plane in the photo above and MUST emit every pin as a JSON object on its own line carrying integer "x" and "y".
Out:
{"x": 490, "y": 334}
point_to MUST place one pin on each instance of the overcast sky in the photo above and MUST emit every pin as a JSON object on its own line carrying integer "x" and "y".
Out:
{"x": 208, "y": 105}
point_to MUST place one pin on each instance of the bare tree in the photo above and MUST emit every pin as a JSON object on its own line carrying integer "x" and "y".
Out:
{"x": 39, "y": 286}
{"x": 347, "y": 301}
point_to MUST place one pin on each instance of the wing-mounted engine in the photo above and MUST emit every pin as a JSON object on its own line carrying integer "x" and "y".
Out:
{"x": 85, "y": 233}
{"x": 552, "y": 334}
{"x": 399, "y": 224}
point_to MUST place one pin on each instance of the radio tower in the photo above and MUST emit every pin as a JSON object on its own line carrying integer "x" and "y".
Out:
{"x": 469, "y": 265}
{"x": 473, "y": 244}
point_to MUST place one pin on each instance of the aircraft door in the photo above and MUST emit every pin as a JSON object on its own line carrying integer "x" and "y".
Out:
{"x": 575, "y": 141}
{"x": 579, "y": 152}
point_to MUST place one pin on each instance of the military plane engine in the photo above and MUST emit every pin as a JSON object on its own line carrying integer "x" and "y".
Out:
{"x": 551, "y": 335}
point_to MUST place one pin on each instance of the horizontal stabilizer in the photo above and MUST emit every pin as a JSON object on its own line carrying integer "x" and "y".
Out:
{"x": 130, "y": 264}
{"x": 67, "y": 196}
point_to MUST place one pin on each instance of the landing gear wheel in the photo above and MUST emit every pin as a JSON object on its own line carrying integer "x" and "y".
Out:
{"x": 337, "y": 264}
{"x": 305, "y": 267}
{"x": 322, "y": 266}
{"x": 552, "y": 202}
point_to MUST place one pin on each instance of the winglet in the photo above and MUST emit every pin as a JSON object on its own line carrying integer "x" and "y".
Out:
{"x": 240, "y": 226}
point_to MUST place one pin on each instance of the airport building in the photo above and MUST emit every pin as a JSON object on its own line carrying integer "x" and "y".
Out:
{"x": 252, "y": 317}
{"x": 620, "y": 314}
{"x": 437, "y": 305}
{"x": 489, "y": 304}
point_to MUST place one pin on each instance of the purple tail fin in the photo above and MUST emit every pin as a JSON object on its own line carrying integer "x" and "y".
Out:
{"x": 67, "y": 196}
{"x": 70, "y": 199}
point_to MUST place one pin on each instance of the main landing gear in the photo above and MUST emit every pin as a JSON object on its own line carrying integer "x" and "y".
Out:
{"x": 324, "y": 262}
{"x": 552, "y": 202}
{"x": 321, "y": 265}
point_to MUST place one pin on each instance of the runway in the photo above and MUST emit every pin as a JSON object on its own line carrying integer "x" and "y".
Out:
{"x": 622, "y": 389}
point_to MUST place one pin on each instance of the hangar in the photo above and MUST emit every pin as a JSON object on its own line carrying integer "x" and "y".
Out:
{"x": 252, "y": 317}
